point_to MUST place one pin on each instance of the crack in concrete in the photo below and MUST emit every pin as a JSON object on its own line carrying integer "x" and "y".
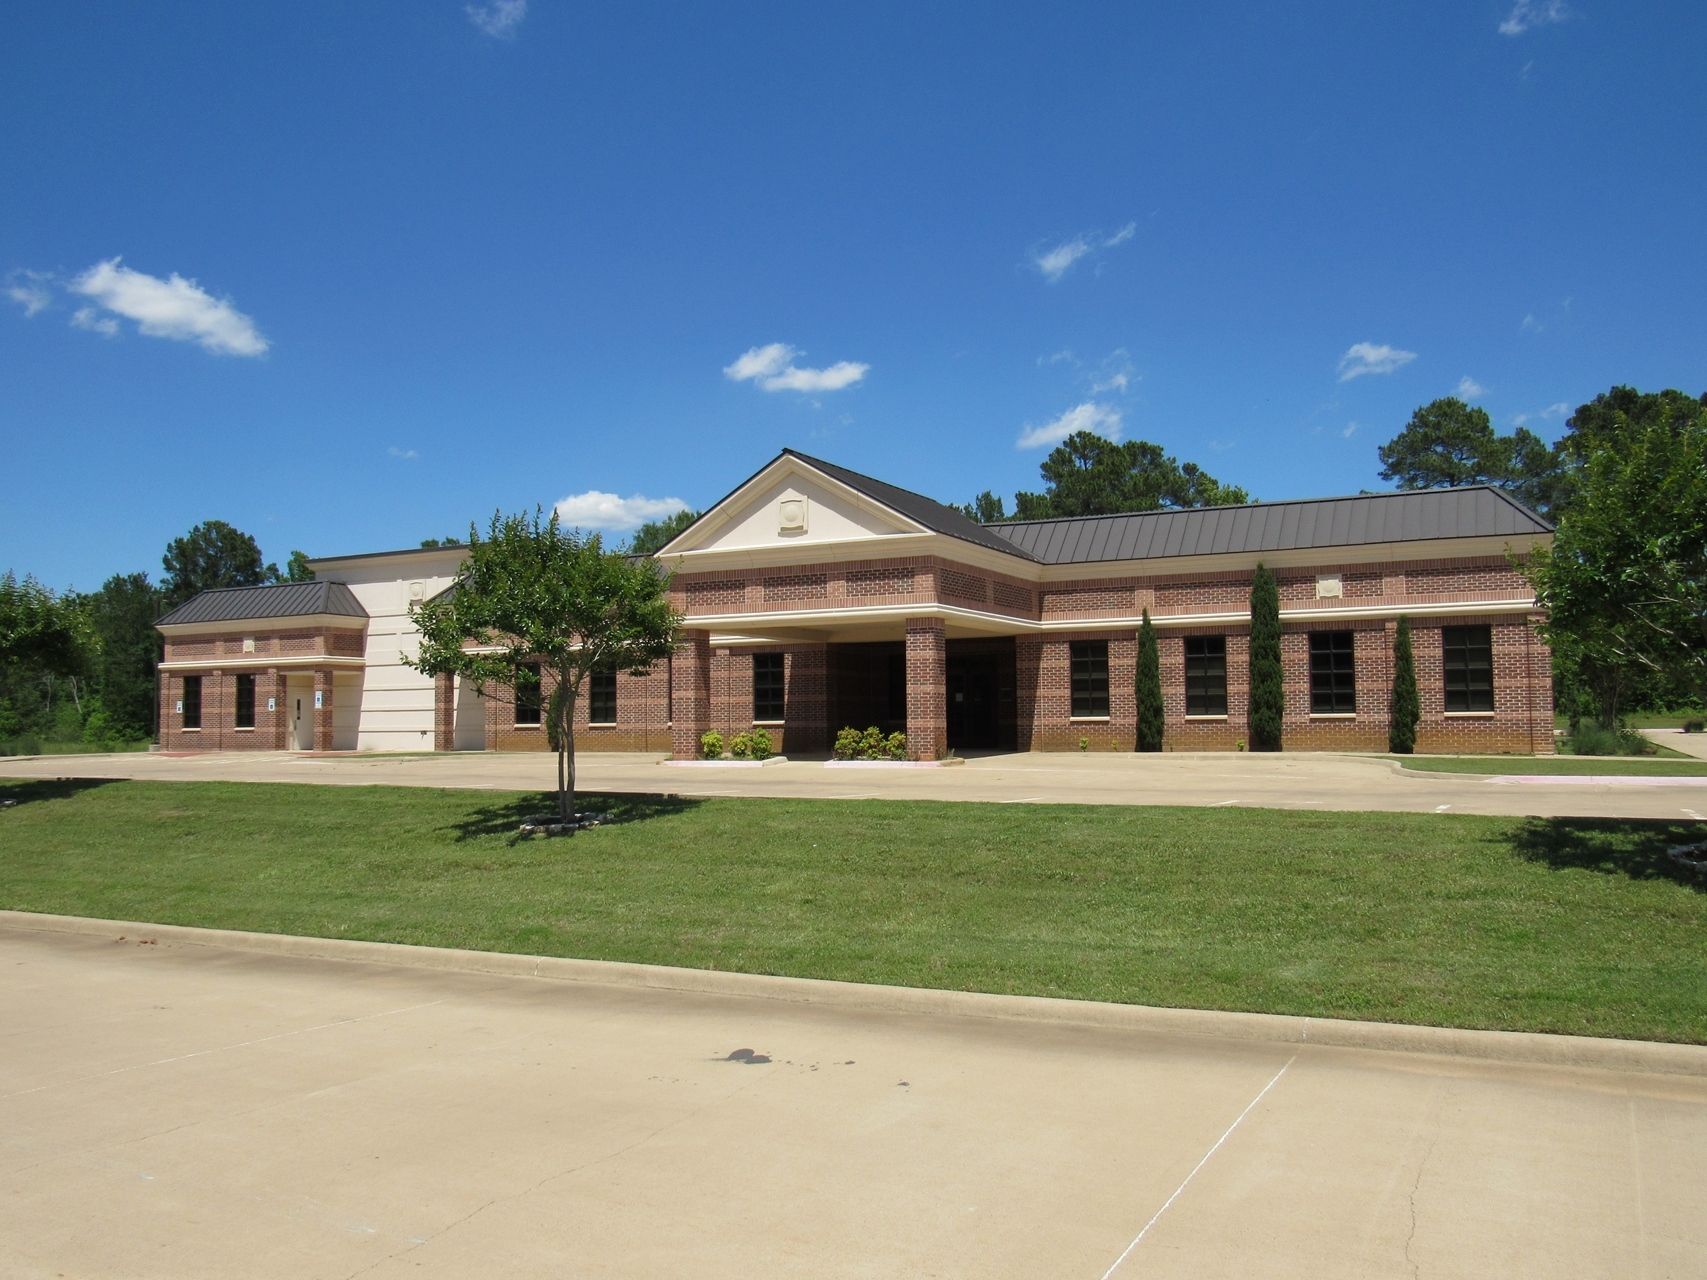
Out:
{"x": 1411, "y": 1197}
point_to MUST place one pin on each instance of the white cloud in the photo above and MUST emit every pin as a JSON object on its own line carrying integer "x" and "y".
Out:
{"x": 772, "y": 367}
{"x": 1090, "y": 416}
{"x": 1531, "y": 324}
{"x": 29, "y": 289}
{"x": 1469, "y": 388}
{"x": 173, "y": 308}
{"x": 1371, "y": 357}
{"x": 1054, "y": 264}
{"x": 595, "y": 510}
{"x": 500, "y": 18}
{"x": 1533, "y": 13}
{"x": 89, "y": 318}
{"x": 1117, "y": 373}
{"x": 395, "y": 452}
{"x": 1558, "y": 410}
{"x": 1350, "y": 430}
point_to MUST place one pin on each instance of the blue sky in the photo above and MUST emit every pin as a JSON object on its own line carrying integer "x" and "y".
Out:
{"x": 436, "y": 259}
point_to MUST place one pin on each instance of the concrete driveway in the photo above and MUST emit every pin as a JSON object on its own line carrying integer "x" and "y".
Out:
{"x": 186, "y": 1111}
{"x": 1283, "y": 781}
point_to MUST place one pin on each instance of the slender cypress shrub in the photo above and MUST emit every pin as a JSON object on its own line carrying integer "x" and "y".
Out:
{"x": 1407, "y": 706}
{"x": 1150, "y": 715}
{"x": 1268, "y": 691}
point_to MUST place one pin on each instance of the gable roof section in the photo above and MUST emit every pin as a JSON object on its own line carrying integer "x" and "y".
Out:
{"x": 1473, "y": 511}
{"x": 282, "y": 600}
{"x": 932, "y": 514}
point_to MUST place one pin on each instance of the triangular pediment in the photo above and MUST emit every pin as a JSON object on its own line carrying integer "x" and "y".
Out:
{"x": 791, "y": 504}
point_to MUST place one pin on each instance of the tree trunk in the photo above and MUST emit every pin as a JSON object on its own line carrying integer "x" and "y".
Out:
{"x": 563, "y": 704}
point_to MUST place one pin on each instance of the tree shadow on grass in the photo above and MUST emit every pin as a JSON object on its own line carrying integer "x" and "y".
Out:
{"x": 504, "y": 817}
{"x": 37, "y": 790}
{"x": 1630, "y": 847}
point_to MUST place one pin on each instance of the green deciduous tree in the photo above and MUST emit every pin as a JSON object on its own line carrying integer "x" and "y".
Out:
{"x": 653, "y": 536}
{"x": 123, "y": 613}
{"x": 1624, "y": 584}
{"x": 41, "y": 630}
{"x": 1405, "y": 711}
{"x": 1151, "y": 713}
{"x": 1268, "y": 687}
{"x": 1087, "y": 475}
{"x": 213, "y": 554}
{"x": 1449, "y": 443}
{"x": 296, "y": 568}
{"x": 532, "y": 596}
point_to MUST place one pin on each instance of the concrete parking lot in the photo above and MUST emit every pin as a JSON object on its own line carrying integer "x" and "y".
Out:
{"x": 190, "y": 1110}
{"x": 1284, "y": 781}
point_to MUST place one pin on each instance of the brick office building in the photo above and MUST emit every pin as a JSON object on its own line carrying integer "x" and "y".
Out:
{"x": 816, "y": 598}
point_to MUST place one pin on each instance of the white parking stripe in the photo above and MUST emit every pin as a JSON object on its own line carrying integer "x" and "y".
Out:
{"x": 1188, "y": 1177}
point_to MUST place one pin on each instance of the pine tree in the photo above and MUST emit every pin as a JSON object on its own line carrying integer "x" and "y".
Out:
{"x": 1406, "y": 706}
{"x": 1150, "y": 713}
{"x": 1268, "y": 690}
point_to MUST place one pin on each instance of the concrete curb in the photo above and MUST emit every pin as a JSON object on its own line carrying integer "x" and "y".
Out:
{"x": 1493, "y": 1046}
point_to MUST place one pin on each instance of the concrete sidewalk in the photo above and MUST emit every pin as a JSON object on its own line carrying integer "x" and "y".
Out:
{"x": 172, "y": 1109}
{"x": 1280, "y": 781}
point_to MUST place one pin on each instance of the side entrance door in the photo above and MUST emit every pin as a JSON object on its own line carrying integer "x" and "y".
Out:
{"x": 972, "y": 701}
{"x": 299, "y": 704}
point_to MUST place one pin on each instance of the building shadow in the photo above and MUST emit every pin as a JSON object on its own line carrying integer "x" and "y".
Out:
{"x": 504, "y": 817}
{"x": 22, "y": 791}
{"x": 1631, "y": 847}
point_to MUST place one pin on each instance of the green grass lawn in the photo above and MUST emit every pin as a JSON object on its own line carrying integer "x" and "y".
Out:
{"x": 1680, "y": 766}
{"x": 1559, "y": 925}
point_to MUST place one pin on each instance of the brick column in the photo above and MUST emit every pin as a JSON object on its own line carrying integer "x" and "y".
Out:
{"x": 690, "y": 695}
{"x": 323, "y": 712}
{"x": 927, "y": 689}
{"x": 278, "y": 723}
{"x": 444, "y": 712}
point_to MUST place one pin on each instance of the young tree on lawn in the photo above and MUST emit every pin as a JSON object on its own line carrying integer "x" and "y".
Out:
{"x": 534, "y": 597}
{"x": 1151, "y": 716}
{"x": 1268, "y": 688}
{"x": 1624, "y": 584}
{"x": 1406, "y": 708}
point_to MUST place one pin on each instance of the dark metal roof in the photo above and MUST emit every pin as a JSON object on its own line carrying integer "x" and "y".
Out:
{"x": 1473, "y": 511}
{"x": 926, "y": 511}
{"x": 283, "y": 600}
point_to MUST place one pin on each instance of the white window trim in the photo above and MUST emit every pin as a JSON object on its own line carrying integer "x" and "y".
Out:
{"x": 1219, "y": 717}
{"x": 1469, "y": 715}
{"x": 1333, "y": 715}
{"x": 1088, "y": 719}
{"x": 769, "y": 722}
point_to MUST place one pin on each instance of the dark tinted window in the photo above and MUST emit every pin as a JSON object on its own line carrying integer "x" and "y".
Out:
{"x": 1333, "y": 682}
{"x": 767, "y": 686}
{"x": 192, "y": 702}
{"x": 601, "y": 697}
{"x": 1206, "y": 675}
{"x": 897, "y": 686}
{"x": 1468, "y": 659}
{"x": 527, "y": 696}
{"x": 246, "y": 702}
{"x": 1090, "y": 677}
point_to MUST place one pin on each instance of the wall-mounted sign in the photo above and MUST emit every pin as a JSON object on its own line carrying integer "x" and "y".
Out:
{"x": 272, "y": 704}
{"x": 319, "y": 695}
{"x": 180, "y": 706}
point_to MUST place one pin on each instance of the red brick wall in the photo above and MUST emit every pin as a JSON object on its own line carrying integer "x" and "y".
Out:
{"x": 642, "y": 716}
{"x": 927, "y": 689}
{"x": 219, "y": 731}
{"x": 690, "y": 705}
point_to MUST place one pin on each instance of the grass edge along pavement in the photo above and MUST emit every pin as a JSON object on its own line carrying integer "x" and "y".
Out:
{"x": 1680, "y": 766}
{"x": 1571, "y": 926}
